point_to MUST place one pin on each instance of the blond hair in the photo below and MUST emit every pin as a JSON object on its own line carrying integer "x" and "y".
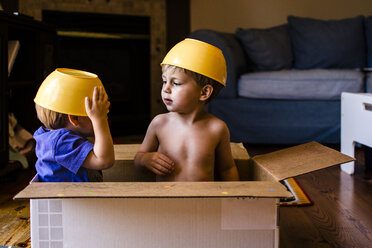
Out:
{"x": 201, "y": 80}
{"x": 50, "y": 118}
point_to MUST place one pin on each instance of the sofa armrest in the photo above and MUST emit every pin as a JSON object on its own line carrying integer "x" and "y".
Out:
{"x": 234, "y": 55}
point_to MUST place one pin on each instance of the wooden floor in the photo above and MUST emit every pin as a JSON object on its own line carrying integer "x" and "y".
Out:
{"x": 340, "y": 217}
{"x": 15, "y": 215}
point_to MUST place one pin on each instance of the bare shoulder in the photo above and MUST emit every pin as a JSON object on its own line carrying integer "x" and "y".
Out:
{"x": 216, "y": 125}
{"x": 160, "y": 120}
{"x": 151, "y": 140}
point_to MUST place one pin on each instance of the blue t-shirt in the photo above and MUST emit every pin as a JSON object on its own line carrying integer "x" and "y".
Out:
{"x": 60, "y": 154}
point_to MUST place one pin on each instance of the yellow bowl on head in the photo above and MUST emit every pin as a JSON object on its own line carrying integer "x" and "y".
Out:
{"x": 200, "y": 57}
{"x": 64, "y": 91}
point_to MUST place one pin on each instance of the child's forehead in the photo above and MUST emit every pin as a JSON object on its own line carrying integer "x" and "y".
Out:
{"x": 171, "y": 70}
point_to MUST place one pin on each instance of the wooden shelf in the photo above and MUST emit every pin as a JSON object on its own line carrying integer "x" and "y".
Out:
{"x": 31, "y": 63}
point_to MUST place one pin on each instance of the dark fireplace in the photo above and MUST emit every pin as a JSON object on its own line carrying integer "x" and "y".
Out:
{"x": 117, "y": 49}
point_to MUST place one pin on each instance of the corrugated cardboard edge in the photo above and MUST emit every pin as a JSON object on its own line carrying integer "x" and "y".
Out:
{"x": 153, "y": 190}
{"x": 301, "y": 159}
{"x": 238, "y": 151}
{"x": 242, "y": 161}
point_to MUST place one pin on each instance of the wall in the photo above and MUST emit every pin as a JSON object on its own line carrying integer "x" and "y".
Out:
{"x": 156, "y": 9}
{"x": 227, "y": 15}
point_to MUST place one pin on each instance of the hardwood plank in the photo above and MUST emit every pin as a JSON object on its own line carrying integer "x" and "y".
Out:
{"x": 341, "y": 212}
{"x": 15, "y": 224}
{"x": 15, "y": 215}
{"x": 298, "y": 230}
{"x": 337, "y": 224}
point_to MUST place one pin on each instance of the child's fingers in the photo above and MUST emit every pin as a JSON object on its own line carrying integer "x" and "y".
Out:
{"x": 158, "y": 172}
{"x": 163, "y": 166}
{"x": 167, "y": 162}
{"x": 99, "y": 100}
{"x": 104, "y": 95}
{"x": 108, "y": 103}
{"x": 101, "y": 94}
{"x": 88, "y": 104}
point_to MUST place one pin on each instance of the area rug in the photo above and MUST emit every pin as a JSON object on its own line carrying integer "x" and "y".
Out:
{"x": 300, "y": 197}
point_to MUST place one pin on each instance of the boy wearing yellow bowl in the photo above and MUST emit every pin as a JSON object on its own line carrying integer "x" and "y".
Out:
{"x": 72, "y": 105}
{"x": 187, "y": 143}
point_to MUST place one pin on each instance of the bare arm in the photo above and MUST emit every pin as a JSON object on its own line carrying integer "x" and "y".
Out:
{"x": 224, "y": 161}
{"x": 147, "y": 155}
{"x": 102, "y": 156}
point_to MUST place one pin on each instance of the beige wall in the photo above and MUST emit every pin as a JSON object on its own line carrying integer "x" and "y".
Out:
{"x": 227, "y": 15}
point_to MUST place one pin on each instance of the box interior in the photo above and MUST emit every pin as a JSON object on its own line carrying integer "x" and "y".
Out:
{"x": 259, "y": 176}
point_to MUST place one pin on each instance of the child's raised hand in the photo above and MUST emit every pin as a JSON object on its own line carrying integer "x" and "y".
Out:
{"x": 97, "y": 108}
{"x": 158, "y": 163}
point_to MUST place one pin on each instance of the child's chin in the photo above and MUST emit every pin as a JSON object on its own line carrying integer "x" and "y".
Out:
{"x": 170, "y": 109}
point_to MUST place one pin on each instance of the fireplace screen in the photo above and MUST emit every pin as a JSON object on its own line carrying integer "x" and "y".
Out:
{"x": 117, "y": 49}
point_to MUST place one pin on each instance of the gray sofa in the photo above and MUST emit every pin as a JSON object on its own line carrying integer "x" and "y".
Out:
{"x": 284, "y": 83}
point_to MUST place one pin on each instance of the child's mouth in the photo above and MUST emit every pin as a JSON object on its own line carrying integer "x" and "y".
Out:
{"x": 167, "y": 101}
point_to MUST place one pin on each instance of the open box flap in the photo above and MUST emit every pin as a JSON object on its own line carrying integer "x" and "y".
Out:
{"x": 154, "y": 190}
{"x": 301, "y": 159}
{"x": 238, "y": 151}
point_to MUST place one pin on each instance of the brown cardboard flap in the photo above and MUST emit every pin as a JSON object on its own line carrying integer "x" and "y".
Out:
{"x": 153, "y": 190}
{"x": 239, "y": 151}
{"x": 126, "y": 151}
{"x": 301, "y": 159}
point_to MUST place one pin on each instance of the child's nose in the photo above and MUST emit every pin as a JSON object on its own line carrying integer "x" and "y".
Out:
{"x": 166, "y": 87}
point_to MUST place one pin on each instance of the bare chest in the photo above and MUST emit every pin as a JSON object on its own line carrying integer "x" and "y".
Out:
{"x": 192, "y": 151}
{"x": 187, "y": 145}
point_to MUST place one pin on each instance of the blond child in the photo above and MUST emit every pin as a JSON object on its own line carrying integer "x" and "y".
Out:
{"x": 73, "y": 106}
{"x": 187, "y": 143}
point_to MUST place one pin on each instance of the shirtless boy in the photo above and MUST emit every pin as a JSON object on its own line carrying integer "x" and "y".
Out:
{"x": 187, "y": 143}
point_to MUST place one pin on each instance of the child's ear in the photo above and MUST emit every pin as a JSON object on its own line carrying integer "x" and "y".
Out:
{"x": 206, "y": 92}
{"x": 73, "y": 120}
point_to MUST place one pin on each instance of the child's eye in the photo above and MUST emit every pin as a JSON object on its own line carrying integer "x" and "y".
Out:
{"x": 176, "y": 83}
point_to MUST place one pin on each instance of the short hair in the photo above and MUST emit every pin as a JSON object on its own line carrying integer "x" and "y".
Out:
{"x": 51, "y": 119}
{"x": 199, "y": 79}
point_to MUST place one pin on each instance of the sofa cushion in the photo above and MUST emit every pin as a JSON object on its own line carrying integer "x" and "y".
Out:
{"x": 268, "y": 49}
{"x": 234, "y": 54}
{"x": 328, "y": 44}
{"x": 279, "y": 122}
{"x": 368, "y": 29}
{"x": 316, "y": 84}
{"x": 369, "y": 82}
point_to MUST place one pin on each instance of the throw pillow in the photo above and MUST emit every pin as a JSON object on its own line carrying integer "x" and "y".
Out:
{"x": 269, "y": 49}
{"x": 327, "y": 44}
{"x": 368, "y": 29}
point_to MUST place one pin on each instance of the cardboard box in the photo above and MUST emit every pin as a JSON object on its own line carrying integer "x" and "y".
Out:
{"x": 121, "y": 212}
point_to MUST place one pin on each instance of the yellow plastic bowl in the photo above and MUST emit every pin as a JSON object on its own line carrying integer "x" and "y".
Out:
{"x": 64, "y": 91}
{"x": 199, "y": 57}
